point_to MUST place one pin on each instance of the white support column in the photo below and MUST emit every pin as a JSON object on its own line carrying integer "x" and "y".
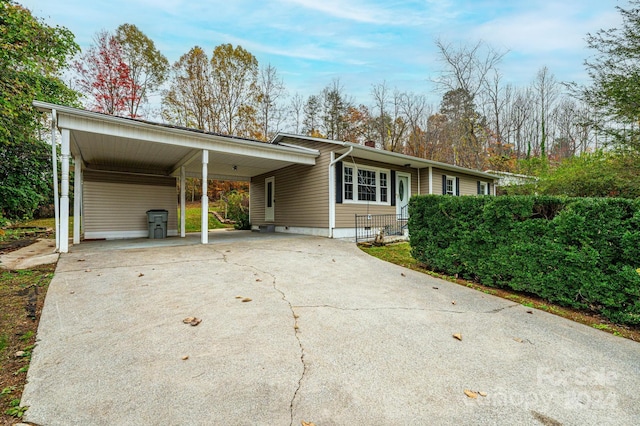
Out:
{"x": 64, "y": 192}
{"x": 430, "y": 180}
{"x": 54, "y": 164}
{"x": 77, "y": 198}
{"x": 183, "y": 199}
{"x": 204, "y": 228}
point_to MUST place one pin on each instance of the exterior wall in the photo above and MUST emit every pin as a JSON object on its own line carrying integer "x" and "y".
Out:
{"x": 301, "y": 193}
{"x": 468, "y": 183}
{"x": 345, "y": 212}
{"x": 115, "y": 204}
{"x": 424, "y": 181}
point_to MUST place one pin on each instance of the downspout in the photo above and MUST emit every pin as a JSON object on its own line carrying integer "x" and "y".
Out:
{"x": 332, "y": 189}
{"x": 54, "y": 160}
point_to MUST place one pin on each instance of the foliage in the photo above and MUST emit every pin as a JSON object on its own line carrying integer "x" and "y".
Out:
{"x": 239, "y": 209}
{"x": 219, "y": 95}
{"x": 32, "y": 57}
{"x": 578, "y": 252}
{"x": 615, "y": 72}
{"x": 148, "y": 68}
{"x": 105, "y": 78}
{"x": 598, "y": 174}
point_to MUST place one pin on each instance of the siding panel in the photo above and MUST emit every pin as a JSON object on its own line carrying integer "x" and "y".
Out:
{"x": 114, "y": 207}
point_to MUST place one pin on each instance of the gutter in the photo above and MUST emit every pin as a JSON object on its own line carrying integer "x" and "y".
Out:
{"x": 332, "y": 188}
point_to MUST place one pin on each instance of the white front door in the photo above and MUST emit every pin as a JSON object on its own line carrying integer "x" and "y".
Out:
{"x": 269, "y": 199}
{"x": 403, "y": 192}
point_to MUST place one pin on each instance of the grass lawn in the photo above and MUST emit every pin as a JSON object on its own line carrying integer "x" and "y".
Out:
{"x": 193, "y": 218}
{"x": 400, "y": 254}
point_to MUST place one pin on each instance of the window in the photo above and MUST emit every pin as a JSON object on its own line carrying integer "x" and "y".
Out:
{"x": 372, "y": 185}
{"x": 450, "y": 186}
{"x": 483, "y": 188}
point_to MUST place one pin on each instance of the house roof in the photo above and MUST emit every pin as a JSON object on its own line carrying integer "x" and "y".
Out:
{"x": 389, "y": 157}
{"x": 106, "y": 142}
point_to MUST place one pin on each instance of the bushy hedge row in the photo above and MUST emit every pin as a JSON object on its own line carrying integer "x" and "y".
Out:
{"x": 577, "y": 252}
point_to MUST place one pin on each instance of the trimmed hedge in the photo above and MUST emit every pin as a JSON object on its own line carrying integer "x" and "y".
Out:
{"x": 577, "y": 252}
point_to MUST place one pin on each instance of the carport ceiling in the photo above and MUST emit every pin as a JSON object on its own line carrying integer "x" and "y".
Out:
{"x": 105, "y": 142}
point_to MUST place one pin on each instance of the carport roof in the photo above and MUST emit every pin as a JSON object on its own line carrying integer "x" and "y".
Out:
{"x": 106, "y": 142}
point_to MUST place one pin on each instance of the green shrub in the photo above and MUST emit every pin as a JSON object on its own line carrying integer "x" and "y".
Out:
{"x": 578, "y": 252}
{"x": 239, "y": 209}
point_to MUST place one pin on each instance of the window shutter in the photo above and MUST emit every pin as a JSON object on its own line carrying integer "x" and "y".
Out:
{"x": 339, "y": 177}
{"x": 479, "y": 188}
{"x": 457, "y": 186}
{"x": 393, "y": 187}
{"x": 444, "y": 185}
{"x": 489, "y": 189}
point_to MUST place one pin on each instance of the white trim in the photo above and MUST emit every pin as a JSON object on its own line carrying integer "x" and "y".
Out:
{"x": 54, "y": 166}
{"x": 64, "y": 191}
{"x": 430, "y": 180}
{"x": 332, "y": 188}
{"x": 183, "y": 202}
{"x": 204, "y": 214}
{"x": 355, "y": 183}
{"x": 122, "y": 235}
{"x": 486, "y": 187}
{"x": 453, "y": 186}
{"x": 302, "y": 230}
{"x": 77, "y": 199}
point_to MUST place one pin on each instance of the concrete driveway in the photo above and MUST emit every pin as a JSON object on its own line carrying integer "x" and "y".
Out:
{"x": 329, "y": 336}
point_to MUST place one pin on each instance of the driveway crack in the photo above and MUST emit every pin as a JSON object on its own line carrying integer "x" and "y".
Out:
{"x": 494, "y": 311}
{"x": 381, "y": 308}
{"x": 296, "y": 330}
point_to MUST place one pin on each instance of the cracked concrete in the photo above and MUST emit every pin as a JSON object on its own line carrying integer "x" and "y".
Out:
{"x": 330, "y": 336}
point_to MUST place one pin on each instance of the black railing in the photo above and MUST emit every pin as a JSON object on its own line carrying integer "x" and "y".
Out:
{"x": 368, "y": 226}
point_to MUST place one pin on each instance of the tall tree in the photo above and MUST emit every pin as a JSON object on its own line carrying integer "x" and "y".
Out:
{"x": 270, "y": 90}
{"x": 296, "y": 110}
{"x": 234, "y": 74}
{"x": 189, "y": 99}
{"x": 615, "y": 73}
{"x": 32, "y": 57}
{"x": 105, "y": 78}
{"x": 546, "y": 89}
{"x": 335, "y": 106}
{"x": 148, "y": 68}
{"x": 311, "y": 122}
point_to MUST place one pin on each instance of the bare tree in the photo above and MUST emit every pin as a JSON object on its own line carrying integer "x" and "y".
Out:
{"x": 271, "y": 89}
{"x": 296, "y": 109}
{"x": 546, "y": 88}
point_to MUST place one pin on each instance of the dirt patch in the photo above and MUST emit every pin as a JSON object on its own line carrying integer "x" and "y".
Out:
{"x": 22, "y": 295}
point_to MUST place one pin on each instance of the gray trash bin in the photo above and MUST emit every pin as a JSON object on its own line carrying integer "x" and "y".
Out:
{"x": 157, "y": 223}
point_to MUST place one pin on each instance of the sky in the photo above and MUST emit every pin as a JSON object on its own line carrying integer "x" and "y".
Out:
{"x": 360, "y": 42}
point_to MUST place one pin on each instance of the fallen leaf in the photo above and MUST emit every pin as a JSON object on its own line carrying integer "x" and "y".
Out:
{"x": 517, "y": 339}
{"x": 435, "y": 288}
{"x": 470, "y": 394}
{"x": 88, "y": 270}
{"x": 529, "y": 311}
{"x": 141, "y": 275}
{"x": 333, "y": 260}
{"x": 246, "y": 299}
{"x": 258, "y": 280}
{"x": 238, "y": 297}
{"x": 303, "y": 423}
{"x": 402, "y": 273}
{"x": 80, "y": 260}
{"x": 186, "y": 357}
{"x": 458, "y": 336}
{"x": 453, "y": 302}
{"x": 72, "y": 292}
{"x": 192, "y": 321}
{"x": 482, "y": 393}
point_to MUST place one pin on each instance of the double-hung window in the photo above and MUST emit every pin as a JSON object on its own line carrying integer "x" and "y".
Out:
{"x": 450, "y": 186}
{"x": 365, "y": 185}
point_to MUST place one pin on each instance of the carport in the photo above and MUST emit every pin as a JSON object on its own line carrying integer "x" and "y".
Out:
{"x": 141, "y": 157}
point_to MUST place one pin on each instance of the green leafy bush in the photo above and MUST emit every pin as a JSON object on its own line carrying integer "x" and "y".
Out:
{"x": 578, "y": 252}
{"x": 239, "y": 209}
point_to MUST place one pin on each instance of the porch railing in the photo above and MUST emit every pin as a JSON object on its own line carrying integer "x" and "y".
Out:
{"x": 368, "y": 226}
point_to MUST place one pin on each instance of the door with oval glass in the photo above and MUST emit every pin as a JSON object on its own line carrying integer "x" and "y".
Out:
{"x": 403, "y": 192}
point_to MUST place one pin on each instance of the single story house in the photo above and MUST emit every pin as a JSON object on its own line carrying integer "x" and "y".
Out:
{"x": 124, "y": 167}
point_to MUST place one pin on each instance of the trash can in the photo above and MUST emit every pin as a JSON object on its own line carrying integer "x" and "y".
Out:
{"x": 157, "y": 223}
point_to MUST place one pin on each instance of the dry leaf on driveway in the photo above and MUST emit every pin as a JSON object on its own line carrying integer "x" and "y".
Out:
{"x": 458, "y": 336}
{"x": 470, "y": 394}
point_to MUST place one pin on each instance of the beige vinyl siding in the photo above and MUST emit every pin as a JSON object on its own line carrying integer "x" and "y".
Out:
{"x": 301, "y": 192}
{"x": 468, "y": 183}
{"x": 345, "y": 212}
{"x": 115, "y": 205}
{"x": 424, "y": 182}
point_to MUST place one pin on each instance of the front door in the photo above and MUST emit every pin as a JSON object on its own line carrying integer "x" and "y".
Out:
{"x": 269, "y": 199}
{"x": 403, "y": 192}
